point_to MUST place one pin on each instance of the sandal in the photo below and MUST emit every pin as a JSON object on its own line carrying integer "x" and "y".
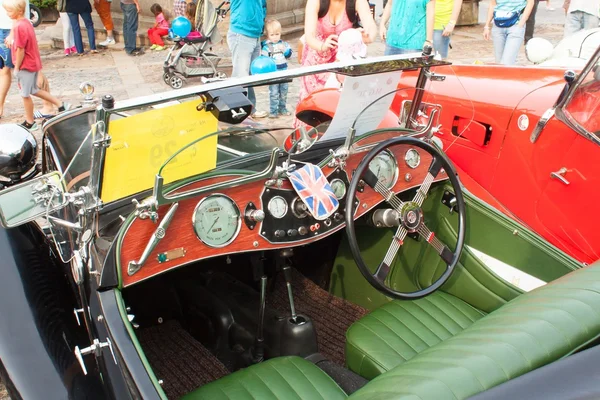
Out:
{"x": 37, "y": 114}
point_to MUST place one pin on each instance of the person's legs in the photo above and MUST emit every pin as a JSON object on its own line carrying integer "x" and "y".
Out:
{"x": 44, "y": 85}
{"x": 283, "y": 91}
{"x": 158, "y": 34}
{"x": 499, "y": 39}
{"x": 573, "y": 22}
{"x": 5, "y": 72}
{"x": 530, "y": 25}
{"x": 74, "y": 19}
{"x": 441, "y": 43}
{"x": 243, "y": 49}
{"x": 89, "y": 26}
{"x": 67, "y": 32}
{"x": 130, "y": 25}
{"x": 103, "y": 9}
{"x": 151, "y": 36}
{"x": 590, "y": 21}
{"x": 27, "y": 82}
{"x": 514, "y": 41}
{"x": 273, "y": 100}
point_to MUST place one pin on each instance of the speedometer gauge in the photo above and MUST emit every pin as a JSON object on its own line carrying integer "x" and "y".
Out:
{"x": 384, "y": 166}
{"x": 217, "y": 220}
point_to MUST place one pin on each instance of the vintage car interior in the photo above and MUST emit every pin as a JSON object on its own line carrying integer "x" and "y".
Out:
{"x": 241, "y": 272}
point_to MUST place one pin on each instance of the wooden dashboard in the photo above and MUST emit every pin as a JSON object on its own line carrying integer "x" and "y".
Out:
{"x": 182, "y": 239}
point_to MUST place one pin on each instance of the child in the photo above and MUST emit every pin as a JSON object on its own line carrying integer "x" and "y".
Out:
{"x": 27, "y": 61}
{"x": 279, "y": 51}
{"x": 160, "y": 28}
{"x": 179, "y": 7}
{"x": 190, "y": 14}
{"x": 350, "y": 47}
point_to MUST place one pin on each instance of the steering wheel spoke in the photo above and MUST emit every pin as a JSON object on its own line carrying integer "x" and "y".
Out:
{"x": 384, "y": 268}
{"x": 436, "y": 243}
{"x": 434, "y": 170}
{"x": 371, "y": 179}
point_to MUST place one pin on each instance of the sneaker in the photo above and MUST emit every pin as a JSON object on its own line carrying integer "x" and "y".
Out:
{"x": 28, "y": 126}
{"x": 154, "y": 46}
{"x": 73, "y": 50}
{"x": 159, "y": 48}
{"x": 107, "y": 42}
{"x": 94, "y": 51}
{"x": 259, "y": 114}
{"x": 136, "y": 52}
{"x": 272, "y": 116}
{"x": 67, "y": 52}
{"x": 65, "y": 107}
{"x": 285, "y": 113}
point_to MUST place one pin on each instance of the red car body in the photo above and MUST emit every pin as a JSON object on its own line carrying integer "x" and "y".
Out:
{"x": 487, "y": 117}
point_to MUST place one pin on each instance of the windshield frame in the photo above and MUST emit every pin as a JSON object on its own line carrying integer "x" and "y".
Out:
{"x": 362, "y": 67}
{"x": 564, "y": 116}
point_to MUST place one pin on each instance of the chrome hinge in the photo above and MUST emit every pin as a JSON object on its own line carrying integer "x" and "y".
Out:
{"x": 435, "y": 77}
{"x": 105, "y": 142}
{"x": 146, "y": 209}
{"x": 96, "y": 348}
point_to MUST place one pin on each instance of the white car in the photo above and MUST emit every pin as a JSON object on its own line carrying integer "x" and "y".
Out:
{"x": 572, "y": 52}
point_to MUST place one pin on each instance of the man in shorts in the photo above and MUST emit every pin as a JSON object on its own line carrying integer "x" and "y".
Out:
{"x": 27, "y": 62}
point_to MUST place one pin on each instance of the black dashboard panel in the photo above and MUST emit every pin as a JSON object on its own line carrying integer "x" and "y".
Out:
{"x": 298, "y": 224}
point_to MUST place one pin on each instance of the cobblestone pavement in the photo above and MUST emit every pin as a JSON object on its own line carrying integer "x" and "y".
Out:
{"x": 113, "y": 72}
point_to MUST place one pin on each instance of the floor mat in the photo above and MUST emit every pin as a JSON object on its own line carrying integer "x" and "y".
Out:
{"x": 331, "y": 315}
{"x": 179, "y": 360}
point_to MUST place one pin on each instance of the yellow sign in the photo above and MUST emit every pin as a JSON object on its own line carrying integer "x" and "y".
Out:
{"x": 141, "y": 144}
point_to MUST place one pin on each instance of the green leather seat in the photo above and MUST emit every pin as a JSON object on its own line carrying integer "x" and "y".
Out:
{"x": 278, "y": 378}
{"x": 399, "y": 330}
{"x": 530, "y": 331}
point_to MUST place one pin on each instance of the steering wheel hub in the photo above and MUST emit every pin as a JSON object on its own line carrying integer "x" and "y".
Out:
{"x": 411, "y": 216}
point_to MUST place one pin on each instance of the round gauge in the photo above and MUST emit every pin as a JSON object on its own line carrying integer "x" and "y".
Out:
{"x": 217, "y": 220}
{"x": 277, "y": 207}
{"x": 339, "y": 188}
{"x": 412, "y": 158}
{"x": 384, "y": 166}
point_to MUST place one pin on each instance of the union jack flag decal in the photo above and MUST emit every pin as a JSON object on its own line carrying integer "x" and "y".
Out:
{"x": 315, "y": 191}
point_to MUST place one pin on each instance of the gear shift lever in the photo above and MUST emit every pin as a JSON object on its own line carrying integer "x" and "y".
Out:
{"x": 287, "y": 273}
{"x": 259, "y": 344}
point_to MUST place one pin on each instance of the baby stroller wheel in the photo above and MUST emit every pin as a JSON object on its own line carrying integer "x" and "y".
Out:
{"x": 167, "y": 78}
{"x": 176, "y": 82}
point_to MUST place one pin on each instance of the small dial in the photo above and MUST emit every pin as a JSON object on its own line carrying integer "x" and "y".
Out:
{"x": 412, "y": 158}
{"x": 339, "y": 188}
{"x": 277, "y": 207}
{"x": 217, "y": 220}
{"x": 384, "y": 166}
{"x": 299, "y": 209}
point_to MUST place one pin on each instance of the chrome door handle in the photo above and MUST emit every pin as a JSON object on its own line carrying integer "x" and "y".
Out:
{"x": 560, "y": 175}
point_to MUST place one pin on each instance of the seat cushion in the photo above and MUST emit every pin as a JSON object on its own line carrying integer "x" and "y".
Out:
{"x": 278, "y": 378}
{"x": 530, "y": 331}
{"x": 399, "y": 330}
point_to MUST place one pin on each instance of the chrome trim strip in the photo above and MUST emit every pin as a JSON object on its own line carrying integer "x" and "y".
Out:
{"x": 230, "y": 150}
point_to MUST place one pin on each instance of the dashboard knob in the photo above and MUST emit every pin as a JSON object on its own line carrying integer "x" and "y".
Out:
{"x": 302, "y": 230}
{"x": 279, "y": 233}
{"x": 292, "y": 232}
{"x": 337, "y": 217}
{"x": 256, "y": 215}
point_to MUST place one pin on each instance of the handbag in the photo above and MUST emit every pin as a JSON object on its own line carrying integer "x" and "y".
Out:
{"x": 506, "y": 19}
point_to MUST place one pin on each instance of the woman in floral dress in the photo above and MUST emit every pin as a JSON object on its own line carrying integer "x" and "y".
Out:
{"x": 324, "y": 21}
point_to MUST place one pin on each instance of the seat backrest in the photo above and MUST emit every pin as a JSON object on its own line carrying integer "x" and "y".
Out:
{"x": 530, "y": 331}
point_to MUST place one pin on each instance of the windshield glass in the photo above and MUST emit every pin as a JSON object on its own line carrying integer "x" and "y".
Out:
{"x": 584, "y": 105}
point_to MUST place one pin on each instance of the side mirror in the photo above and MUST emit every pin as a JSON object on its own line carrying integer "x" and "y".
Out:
{"x": 29, "y": 200}
{"x": 301, "y": 140}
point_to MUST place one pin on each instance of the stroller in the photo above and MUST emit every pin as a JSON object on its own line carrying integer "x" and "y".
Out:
{"x": 187, "y": 58}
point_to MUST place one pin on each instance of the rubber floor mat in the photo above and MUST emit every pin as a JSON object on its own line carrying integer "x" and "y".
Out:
{"x": 331, "y": 315}
{"x": 179, "y": 360}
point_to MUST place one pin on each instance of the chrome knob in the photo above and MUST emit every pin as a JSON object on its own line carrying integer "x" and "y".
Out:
{"x": 256, "y": 215}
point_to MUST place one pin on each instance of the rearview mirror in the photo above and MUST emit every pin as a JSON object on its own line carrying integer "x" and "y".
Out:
{"x": 29, "y": 200}
{"x": 301, "y": 139}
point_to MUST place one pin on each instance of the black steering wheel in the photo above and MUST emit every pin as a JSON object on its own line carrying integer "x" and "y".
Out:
{"x": 409, "y": 216}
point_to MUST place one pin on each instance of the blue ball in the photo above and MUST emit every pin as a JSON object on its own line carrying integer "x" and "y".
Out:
{"x": 181, "y": 26}
{"x": 262, "y": 65}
